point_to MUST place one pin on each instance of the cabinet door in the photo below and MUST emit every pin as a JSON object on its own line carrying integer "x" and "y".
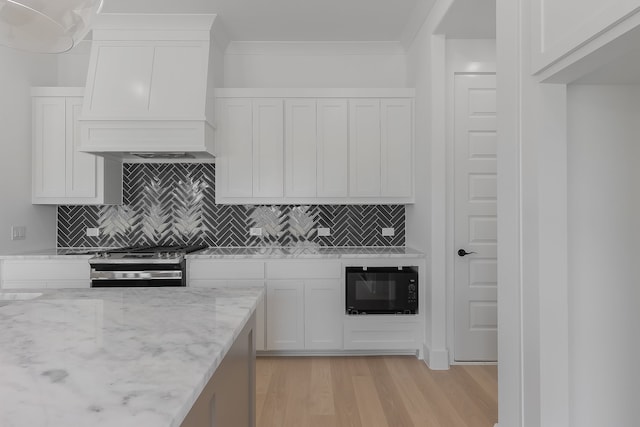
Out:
{"x": 234, "y": 163}
{"x": 397, "y": 147}
{"x": 300, "y": 147}
{"x": 268, "y": 148}
{"x": 49, "y": 147}
{"x": 285, "y": 315}
{"x": 333, "y": 148}
{"x": 323, "y": 314}
{"x": 81, "y": 167}
{"x": 364, "y": 147}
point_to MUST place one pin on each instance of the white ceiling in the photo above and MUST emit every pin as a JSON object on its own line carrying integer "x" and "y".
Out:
{"x": 469, "y": 19}
{"x": 295, "y": 20}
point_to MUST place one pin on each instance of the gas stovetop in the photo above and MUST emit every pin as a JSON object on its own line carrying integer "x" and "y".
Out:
{"x": 146, "y": 255}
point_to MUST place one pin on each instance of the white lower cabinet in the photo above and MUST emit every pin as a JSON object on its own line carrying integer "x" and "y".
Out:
{"x": 303, "y": 309}
{"x": 204, "y": 273}
{"x": 304, "y": 315}
{"x": 323, "y": 314}
{"x": 381, "y": 332}
{"x": 285, "y": 315}
{"x": 44, "y": 273}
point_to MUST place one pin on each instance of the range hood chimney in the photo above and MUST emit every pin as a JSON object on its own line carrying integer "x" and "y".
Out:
{"x": 150, "y": 87}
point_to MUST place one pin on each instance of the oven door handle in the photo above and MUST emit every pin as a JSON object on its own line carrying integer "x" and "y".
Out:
{"x": 136, "y": 275}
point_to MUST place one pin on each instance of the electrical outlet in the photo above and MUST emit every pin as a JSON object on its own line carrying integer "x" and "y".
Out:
{"x": 255, "y": 231}
{"x": 388, "y": 232}
{"x": 93, "y": 232}
{"x": 323, "y": 231}
{"x": 18, "y": 232}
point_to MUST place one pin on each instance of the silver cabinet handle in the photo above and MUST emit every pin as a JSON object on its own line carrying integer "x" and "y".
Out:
{"x": 136, "y": 275}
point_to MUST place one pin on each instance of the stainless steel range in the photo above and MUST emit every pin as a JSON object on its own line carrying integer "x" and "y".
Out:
{"x": 151, "y": 266}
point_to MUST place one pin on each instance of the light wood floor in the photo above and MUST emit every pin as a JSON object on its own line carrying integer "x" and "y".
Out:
{"x": 389, "y": 391}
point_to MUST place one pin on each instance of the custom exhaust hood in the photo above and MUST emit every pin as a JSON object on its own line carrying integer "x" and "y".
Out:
{"x": 150, "y": 87}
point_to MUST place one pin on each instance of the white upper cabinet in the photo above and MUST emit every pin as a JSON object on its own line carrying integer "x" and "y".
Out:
{"x": 234, "y": 163}
{"x": 314, "y": 146}
{"x": 396, "y": 126}
{"x": 62, "y": 174}
{"x": 381, "y": 148}
{"x": 562, "y": 27}
{"x": 250, "y": 150}
{"x": 333, "y": 148}
{"x": 300, "y": 147}
{"x": 364, "y": 147}
{"x": 49, "y": 147}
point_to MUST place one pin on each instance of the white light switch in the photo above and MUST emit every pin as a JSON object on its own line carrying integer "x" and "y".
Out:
{"x": 255, "y": 231}
{"x": 388, "y": 232}
{"x": 323, "y": 231}
{"x": 93, "y": 232}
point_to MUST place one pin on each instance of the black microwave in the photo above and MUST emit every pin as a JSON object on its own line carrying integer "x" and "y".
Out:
{"x": 381, "y": 290}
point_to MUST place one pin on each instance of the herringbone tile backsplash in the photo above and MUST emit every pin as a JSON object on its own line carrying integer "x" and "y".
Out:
{"x": 174, "y": 204}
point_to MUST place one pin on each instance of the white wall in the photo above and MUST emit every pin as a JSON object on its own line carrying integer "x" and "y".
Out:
{"x": 73, "y": 65}
{"x": 20, "y": 71}
{"x": 320, "y": 64}
{"x": 604, "y": 255}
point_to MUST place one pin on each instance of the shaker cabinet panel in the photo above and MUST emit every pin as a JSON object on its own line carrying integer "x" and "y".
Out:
{"x": 82, "y": 179}
{"x": 396, "y": 147}
{"x": 333, "y": 148}
{"x": 323, "y": 315}
{"x": 300, "y": 147}
{"x": 364, "y": 147}
{"x": 234, "y": 162}
{"x": 285, "y": 315}
{"x": 268, "y": 145}
{"x": 49, "y": 147}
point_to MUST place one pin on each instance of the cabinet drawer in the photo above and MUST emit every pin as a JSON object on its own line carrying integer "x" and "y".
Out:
{"x": 208, "y": 283}
{"x": 45, "y": 270}
{"x": 220, "y": 270}
{"x": 380, "y": 333}
{"x": 303, "y": 270}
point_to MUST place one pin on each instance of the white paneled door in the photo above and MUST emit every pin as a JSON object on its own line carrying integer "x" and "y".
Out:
{"x": 475, "y": 227}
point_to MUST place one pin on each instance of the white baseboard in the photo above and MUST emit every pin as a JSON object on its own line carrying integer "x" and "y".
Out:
{"x": 437, "y": 360}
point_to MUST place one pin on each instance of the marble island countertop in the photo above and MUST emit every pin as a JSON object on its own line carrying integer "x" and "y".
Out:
{"x": 117, "y": 357}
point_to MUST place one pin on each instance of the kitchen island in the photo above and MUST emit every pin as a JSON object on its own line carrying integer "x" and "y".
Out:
{"x": 128, "y": 357}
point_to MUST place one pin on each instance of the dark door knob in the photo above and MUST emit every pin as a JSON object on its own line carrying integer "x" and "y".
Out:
{"x": 462, "y": 252}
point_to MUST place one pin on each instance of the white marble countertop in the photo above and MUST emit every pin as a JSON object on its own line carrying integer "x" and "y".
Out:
{"x": 118, "y": 357}
{"x": 54, "y": 253}
{"x": 239, "y": 253}
{"x": 307, "y": 252}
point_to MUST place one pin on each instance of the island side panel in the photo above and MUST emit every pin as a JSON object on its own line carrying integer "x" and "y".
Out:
{"x": 229, "y": 398}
